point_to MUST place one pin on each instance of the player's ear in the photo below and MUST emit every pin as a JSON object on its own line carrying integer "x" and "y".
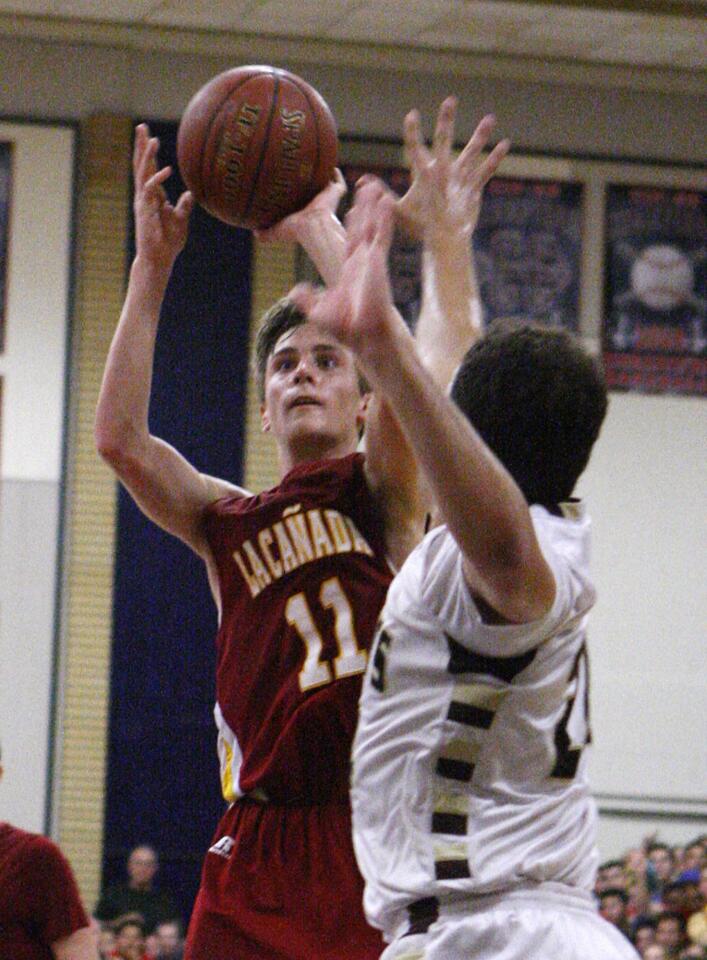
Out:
{"x": 362, "y": 412}
{"x": 264, "y": 418}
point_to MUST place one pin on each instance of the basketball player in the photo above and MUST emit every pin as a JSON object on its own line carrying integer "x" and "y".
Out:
{"x": 41, "y": 914}
{"x": 473, "y": 825}
{"x": 299, "y": 572}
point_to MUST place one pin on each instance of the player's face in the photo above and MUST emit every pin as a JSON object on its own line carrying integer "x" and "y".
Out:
{"x": 313, "y": 405}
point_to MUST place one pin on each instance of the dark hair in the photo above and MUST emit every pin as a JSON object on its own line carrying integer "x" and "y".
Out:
{"x": 128, "y": 920}
{"x": 538, "y": 400}
{"x": 614, "y": 892}
{"x": 671, "y": 915}
{"x": 659, "y": 845}
{"x": 608, "y": 864}
{"x": 281, "y": 317}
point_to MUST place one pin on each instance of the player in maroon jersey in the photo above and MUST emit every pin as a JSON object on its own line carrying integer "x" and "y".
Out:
{"x": 298, "y": 572}
{"x": 41, "y": 914}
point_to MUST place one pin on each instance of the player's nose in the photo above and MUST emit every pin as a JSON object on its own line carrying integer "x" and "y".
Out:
{"x": 304, "y": 370}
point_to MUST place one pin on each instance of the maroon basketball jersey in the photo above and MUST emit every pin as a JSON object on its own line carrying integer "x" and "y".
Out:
{"x": 303, "y": 575}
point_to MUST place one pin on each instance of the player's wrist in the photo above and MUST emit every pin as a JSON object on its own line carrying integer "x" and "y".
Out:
{"x": 151, "y": 275}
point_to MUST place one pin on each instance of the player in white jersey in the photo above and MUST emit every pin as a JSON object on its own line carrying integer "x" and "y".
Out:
{"x": 473, "y": 824}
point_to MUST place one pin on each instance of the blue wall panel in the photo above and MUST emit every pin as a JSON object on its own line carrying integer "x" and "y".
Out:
{"x": 162, "y": 780}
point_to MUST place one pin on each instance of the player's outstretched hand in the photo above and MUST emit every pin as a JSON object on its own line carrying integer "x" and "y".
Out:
{"x": 358, "y": 310}
{"x": 325, "y": 204}
{"x": 160, "y": 228}
{"x": 446, "y": 192}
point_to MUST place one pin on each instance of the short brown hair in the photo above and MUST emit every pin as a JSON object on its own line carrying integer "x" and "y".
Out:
{"x": 281, "y": 317}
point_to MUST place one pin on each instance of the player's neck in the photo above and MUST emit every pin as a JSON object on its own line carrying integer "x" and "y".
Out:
{"x": 311, "y": 449}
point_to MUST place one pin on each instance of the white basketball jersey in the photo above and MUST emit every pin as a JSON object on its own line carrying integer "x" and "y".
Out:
{"x": 469, "y": 774}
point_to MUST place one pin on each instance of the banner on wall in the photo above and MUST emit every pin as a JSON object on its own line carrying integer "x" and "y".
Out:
{"x": 405, "y": 254}
{"x": 5, "y": 194}
{"x": 527, "y": 248}
{"x": 655, "y": 329}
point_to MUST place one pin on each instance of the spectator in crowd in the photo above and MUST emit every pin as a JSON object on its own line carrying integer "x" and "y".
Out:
{"x": 643, "y": 934}
{"x": 41, "y": 914}
{"x": 139, "y": 894}
{"x": 670, "y": 932}
{"x": 170, "y": 942}
{"x": 660, "y": 868}
{"x": 611, "y": 875}
{"x": 693, "y": 952}
{"x": 613, "y": 903}
{"x": 106, "y": 941}
{"x": 129, "y": 939}
{"x": 682, "y": 896}
{"x": 693, "y": 859}
{"x": 697, "y": 923}
{"x": 655, "y": 952}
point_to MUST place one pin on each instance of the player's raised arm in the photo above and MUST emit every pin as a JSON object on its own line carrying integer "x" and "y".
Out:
{"x": 441, "y": 209}
{"x": 317, "y": 229}
{"x": 164, "y": 485}
{"x": 478, "y": 499}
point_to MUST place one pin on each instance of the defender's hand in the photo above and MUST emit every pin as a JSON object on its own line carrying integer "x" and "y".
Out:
{"x": 445, "y": 194}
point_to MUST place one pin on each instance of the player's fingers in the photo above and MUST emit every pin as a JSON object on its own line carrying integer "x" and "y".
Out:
{"x": 185, "y": 205}
{"x": 478, "y": 141}
{"x": 339, "y": 182}
{"x": 444, "y": 128}
{"x": 153, "y": 185}
{"x": 491, "y": 163}
{"x": 147, "y": 165}
{"x": 414, "y": 148}
{"x": 305, "y": 297}
{"x": 358, "y": 227}
{"x": 139, "y": 143}
{"x": 384, "y": 220}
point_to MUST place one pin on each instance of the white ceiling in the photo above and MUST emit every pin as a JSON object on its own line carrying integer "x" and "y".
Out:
{"x": 666, "y": 34}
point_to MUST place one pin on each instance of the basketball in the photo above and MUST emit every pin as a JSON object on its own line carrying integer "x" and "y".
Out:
{"x": 255, "y": 144}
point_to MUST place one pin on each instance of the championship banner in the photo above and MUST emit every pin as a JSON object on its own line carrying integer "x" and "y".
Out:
{"x": 528, "y": 250}
{"x": 655, "y": 332}
{"x": 405, "y": 254}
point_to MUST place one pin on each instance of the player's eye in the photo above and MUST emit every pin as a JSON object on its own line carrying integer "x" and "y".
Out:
{"x": 326, "y": 361}
{"x": 284, "y": 363}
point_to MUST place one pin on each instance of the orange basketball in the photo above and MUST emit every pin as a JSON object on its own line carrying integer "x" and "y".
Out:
{"x": 255, "y": 144}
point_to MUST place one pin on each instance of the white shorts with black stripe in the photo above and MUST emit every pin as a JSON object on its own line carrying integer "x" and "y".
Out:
{"x": 517, "y": 926}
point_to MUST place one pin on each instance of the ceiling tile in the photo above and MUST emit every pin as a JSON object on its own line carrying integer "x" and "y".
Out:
{"x": 528, "y": 28}
{"x": 108, "y": 10}
{"x": 395, "y": 21}
{"x": 201, "y": 14}
{"x": 297, "y": 17}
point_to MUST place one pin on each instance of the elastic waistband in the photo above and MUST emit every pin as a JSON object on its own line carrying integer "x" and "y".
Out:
{"x": 421, "y": 914}
{"x": 259, "y": 797}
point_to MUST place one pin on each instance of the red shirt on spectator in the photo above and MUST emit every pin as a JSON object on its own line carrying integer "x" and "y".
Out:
{"x": 39, "y": 900}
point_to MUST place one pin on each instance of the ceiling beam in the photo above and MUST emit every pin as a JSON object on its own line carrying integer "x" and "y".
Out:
{"x": 696, "y": 9}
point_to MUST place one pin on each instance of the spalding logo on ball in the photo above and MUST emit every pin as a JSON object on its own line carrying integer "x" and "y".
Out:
{"x": 255, "y": 144}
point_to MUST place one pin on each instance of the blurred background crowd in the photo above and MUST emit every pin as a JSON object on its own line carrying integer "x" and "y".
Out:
{"x": 656, "y": 894}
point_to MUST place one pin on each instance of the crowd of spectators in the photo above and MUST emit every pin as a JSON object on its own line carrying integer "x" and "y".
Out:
{"x": 138, "y": 920}
{"x": 656, "y": 895}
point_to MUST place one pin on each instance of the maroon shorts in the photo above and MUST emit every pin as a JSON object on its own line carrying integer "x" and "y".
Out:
{"x": 281, "y": 883}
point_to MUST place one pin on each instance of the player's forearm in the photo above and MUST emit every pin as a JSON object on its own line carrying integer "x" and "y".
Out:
{"x": 324, "y": 241}
{"x": 479, "y": 500}
{"x": 80, "y": 945}
{"x": 450, "y": 316}
{"x": 122, "y": 412}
